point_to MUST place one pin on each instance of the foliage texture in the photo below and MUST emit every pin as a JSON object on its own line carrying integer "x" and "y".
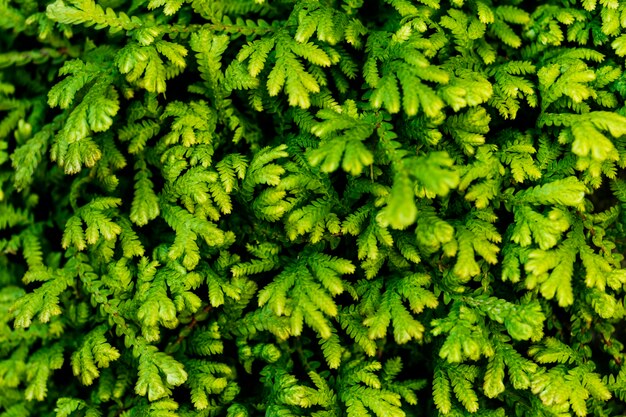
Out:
{"x": 312, "y": 208}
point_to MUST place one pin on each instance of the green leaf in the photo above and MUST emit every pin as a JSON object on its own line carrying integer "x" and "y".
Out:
{"x": 494, "y": 377}
{"x": 174, "y": 52}
{"x": 442, "y": 393}
{"x": 170, "y": 7}
{"x": 361, "y": 391}
{"x": 288, "y": 72}
{"x": 545, "y": 231}
{"x": 42, "y": 302}
{"x": 97, "y": 215}
{"x": 619, "y": 44}
{"x": 158, "y": 373}
{"x": 342, "y": 134}
{"x": 467, "y": 89}
{"x": 478, "y": 237}
{"x": 461, "y": 379}
{"x": 435, "y": 173}
{"x": 407, "y": 67}
{"x": 189, "y": 228}
{"x": 304, "y": 292}
{"x": 95, "y": 352}
{"x": 468, "y": 128}
{"x": 400, "y": 210}
{"x": 390, "y": 309}
{"x": 552, "y": 271}
{"x": 145, "y": 205}
{"x": 89, "y": 13}
{"x": 567, "y": 192}
{"x": 80, "y": 74}
{"x": 39, "y": 369}
{"x": 518, "y": 155}
{"x": 205, "y": 380}
{"x": 144, "y": 67}
{"x": 467, "y": 336}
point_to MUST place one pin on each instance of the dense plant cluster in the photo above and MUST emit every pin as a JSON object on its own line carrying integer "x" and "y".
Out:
{"x": 312, "y": 208}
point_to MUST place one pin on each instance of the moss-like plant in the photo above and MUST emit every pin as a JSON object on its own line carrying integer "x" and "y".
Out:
{"x": 318, "y": 208}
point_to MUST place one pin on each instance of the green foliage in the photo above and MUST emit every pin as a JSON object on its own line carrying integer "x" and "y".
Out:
{"x": 383, "y": 208}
